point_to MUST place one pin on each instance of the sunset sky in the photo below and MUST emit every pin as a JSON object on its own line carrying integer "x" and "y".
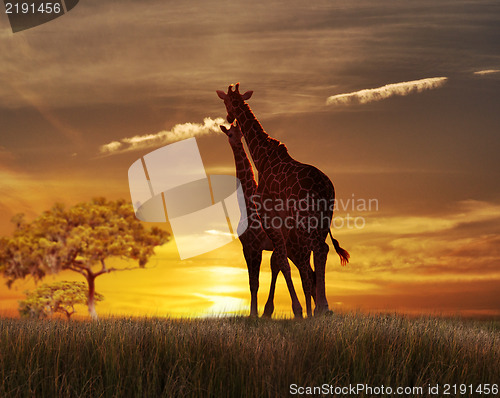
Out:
{"x": 395, "y": 101}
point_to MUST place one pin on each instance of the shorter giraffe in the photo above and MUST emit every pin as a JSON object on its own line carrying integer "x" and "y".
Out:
{"x": 254, "y": 240}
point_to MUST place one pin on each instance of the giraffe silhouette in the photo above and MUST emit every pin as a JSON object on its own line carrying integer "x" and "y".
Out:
{"x": 254, "y": 240}
{"x": 283, "y": 180}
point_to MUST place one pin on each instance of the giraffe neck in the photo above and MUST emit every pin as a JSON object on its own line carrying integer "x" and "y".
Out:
{"x": 244, "y": 172}
{"x": 259, "y": 142}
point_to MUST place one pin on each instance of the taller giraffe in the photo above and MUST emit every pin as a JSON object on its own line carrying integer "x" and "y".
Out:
{"x": 287, "y": 190}
{"x": 254, "y": 240}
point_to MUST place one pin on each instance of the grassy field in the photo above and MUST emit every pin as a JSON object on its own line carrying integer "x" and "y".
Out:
{"x": 242, "y": 357}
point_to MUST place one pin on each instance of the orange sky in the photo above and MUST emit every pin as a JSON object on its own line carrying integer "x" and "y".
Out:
{"x": 396, "y": 103}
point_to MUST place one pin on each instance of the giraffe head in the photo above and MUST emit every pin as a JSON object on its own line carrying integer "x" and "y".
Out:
{"x": 233, "y": 100}
{"x": 234, "y": 133}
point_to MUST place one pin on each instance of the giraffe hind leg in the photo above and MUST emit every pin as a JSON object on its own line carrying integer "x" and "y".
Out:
{"x": 302, "y": 262}
{"x": 320, "y": 256}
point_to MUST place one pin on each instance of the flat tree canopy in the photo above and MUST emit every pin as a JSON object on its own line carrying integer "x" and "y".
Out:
{"x": 59, "y": 297}
{"x": 81, "y": 239}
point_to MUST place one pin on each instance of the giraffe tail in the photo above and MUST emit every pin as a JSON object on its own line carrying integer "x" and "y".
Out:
{"x": 343, "y": 254}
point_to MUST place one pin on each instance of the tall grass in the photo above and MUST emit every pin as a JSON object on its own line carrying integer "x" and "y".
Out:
{"x": 240, "y": 357}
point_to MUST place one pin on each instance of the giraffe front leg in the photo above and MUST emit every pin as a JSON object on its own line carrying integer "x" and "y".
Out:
{"x": 296, "y": 307}
{"x": 307, "y": 287}
{"x": 284, "y": 266}
{"x": 275, "y": 269}
{"x": 253, "y": 259}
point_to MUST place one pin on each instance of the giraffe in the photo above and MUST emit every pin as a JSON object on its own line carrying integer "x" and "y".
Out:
{"x": 254, "y": 240}
{"x": 283, "y": 180}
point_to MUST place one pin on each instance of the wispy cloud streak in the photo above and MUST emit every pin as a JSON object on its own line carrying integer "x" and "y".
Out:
{"x": 177, "y": 133}
{"x": 387, "y": 91}
{"x": 487, "y": 71}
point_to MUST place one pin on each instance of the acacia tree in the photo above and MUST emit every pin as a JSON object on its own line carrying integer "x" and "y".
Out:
{"x": 81, "y": 238}
{"x": 59, "y": 297}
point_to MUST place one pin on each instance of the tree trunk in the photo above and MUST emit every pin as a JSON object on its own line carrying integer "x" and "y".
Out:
{"x": 91, "y": 299}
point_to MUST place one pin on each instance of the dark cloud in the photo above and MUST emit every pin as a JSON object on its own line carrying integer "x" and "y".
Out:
{"x": 121, "y": 52}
